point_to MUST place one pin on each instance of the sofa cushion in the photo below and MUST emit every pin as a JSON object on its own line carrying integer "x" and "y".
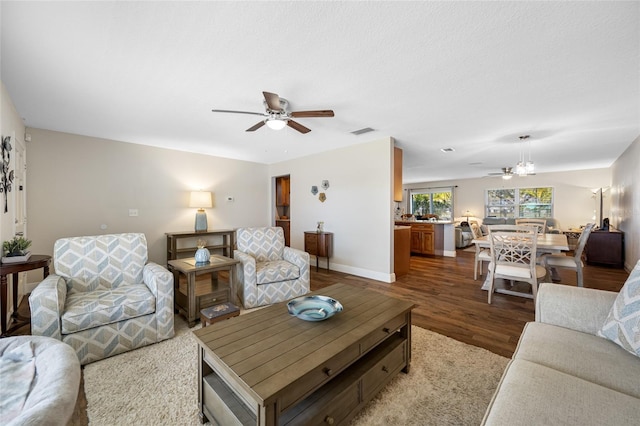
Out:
{"x": 622, "y": 326}
{"x": 583, "y": 355}
{"x": 265, "y": 244}
{"x": 531, "y": 393}
{"x": 85, "y": 310}
{"x": 101, "y": 261}
{"x": 276, "y": 271}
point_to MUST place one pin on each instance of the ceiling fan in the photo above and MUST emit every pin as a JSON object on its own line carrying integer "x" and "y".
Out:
{"x": 277, "y": 116}
{"x": 506, "y": 173}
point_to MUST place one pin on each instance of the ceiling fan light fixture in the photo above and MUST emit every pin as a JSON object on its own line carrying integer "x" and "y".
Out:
{"x": 524, "y": 168}
{"x": 507, "y": 177}
{"x": 276, "y": 123}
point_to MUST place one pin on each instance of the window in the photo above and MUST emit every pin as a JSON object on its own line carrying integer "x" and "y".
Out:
{"x": 438, "y": 201}
{"x": 519, "y": 202}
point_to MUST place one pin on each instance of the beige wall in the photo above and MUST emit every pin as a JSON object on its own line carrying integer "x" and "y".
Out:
{"x": 573, "y": 193}
{"x": 77, "y": 184}
{"x": 625, "y": 194}
{"x": 358, "y": 209}
{"x": 10, "y": 125}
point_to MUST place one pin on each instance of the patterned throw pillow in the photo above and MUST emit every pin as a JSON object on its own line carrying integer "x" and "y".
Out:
{"x": 622, "y": 326}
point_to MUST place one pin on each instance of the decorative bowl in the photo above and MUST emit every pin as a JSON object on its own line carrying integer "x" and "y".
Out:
{"x": 314, "y": 308}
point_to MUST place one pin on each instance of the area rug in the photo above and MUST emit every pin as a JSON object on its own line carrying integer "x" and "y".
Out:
{"x": 450, "y": 383}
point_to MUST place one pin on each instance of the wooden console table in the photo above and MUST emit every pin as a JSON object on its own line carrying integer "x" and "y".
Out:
{"x": 319, "y": 244}
{"x": 175, "y": 251}
{"x": 36, "y": 261}
{"x": 270, "y": 368}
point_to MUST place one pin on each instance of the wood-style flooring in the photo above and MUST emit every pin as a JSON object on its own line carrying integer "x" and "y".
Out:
{"x": 448, "y": 300}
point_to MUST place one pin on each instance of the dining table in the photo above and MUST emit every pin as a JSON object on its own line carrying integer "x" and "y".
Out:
{"x": 545, "y": 244}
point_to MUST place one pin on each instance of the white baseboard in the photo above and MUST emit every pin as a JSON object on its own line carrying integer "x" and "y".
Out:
{"x": 360, "y": 272}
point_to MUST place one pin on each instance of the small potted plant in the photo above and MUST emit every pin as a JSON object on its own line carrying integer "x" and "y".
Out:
{"x": 15, "y": 250}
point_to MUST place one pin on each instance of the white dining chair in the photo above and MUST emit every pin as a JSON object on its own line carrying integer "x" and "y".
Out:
{"x": 540, "y": 224}
{"x": 513, "y": 257}
{"x": 560, "y": 260}
{"x": 484, "y": 254}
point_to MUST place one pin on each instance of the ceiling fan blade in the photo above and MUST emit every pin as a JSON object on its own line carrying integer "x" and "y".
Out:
{"x": 238, "y": 112}
{"x": 299, "y": 127}
{"x": 319, "y": 113}
{"x": 273, "y": 101}
{"x": 255, "y": 126}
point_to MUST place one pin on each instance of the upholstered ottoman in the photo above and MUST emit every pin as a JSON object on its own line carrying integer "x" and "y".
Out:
{"x": 40, "y": 380}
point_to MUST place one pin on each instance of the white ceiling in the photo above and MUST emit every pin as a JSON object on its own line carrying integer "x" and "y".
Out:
{"x": 472, "y": 76}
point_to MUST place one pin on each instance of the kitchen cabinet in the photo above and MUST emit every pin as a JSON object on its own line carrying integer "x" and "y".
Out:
{"x": 282, "y": 191}
{"x": 605, "y": 248}
{"x": 422, "y": 239}
{"x": 401, "y": 250}
{"x": 426, "y": 237}
{"x": 284, "y": 224}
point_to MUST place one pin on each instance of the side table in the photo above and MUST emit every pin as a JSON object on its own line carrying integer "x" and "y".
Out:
{"x": 319, "y": 244}
{"x": 36, "y": 261}
{"x": 196, "y": 299}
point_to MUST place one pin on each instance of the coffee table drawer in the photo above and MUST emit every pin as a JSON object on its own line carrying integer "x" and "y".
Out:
{"x": 329, "y": 409}
{"x": 318, "y": 376}
{"x": 386, "y": 368}
{"x": 382, "y": 333}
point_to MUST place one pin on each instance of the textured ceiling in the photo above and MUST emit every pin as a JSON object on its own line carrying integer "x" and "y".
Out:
{"x": 472, "y": 76}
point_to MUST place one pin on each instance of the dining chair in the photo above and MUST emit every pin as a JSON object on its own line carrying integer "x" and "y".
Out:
{"x": 553, "y": 261}
{"x": 513, "y": 257}
{"x": 541, "y": 224}
{"x": 484, "y": 254}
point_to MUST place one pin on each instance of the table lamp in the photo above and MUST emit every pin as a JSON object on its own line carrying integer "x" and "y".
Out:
{"x": 468, "y": 213}
{"x": 201, "y": 200}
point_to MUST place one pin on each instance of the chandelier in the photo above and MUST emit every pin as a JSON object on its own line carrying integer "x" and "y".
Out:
{"x": 524, "y": 168}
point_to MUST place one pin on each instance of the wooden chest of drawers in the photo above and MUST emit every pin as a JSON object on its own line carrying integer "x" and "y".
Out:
{"x": 319, "y": 244}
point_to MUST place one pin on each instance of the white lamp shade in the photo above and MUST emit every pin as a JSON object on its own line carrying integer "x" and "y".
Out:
{"x": 201, "y": 200}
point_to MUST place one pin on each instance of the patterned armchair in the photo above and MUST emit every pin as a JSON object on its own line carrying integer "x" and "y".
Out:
{"x": 269, "y": 272}
{"x": 104, "y": 298}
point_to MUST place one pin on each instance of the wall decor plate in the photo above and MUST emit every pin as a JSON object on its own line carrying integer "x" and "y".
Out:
{"x": 314, "y": 308}
{"x": 322, "y": 197}
{"x": 325, "y": 184}
{"x": 314, "y": 190}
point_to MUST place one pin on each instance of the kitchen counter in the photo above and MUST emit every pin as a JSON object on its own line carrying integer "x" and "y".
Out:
{"x": 428, "y": 237}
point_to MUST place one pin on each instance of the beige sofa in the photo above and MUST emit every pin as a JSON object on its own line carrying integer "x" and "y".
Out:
{"x": 562, "y": 373}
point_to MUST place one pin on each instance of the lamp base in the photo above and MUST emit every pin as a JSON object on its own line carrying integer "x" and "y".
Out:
{"x": 201, "y": 221}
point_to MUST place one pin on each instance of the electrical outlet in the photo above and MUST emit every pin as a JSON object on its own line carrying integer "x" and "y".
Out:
{"x": 133, "y": 212}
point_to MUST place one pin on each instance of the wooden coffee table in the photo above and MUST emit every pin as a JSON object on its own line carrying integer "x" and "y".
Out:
{"x": 269, "y": 368}
{"x": 196, "y": 299}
